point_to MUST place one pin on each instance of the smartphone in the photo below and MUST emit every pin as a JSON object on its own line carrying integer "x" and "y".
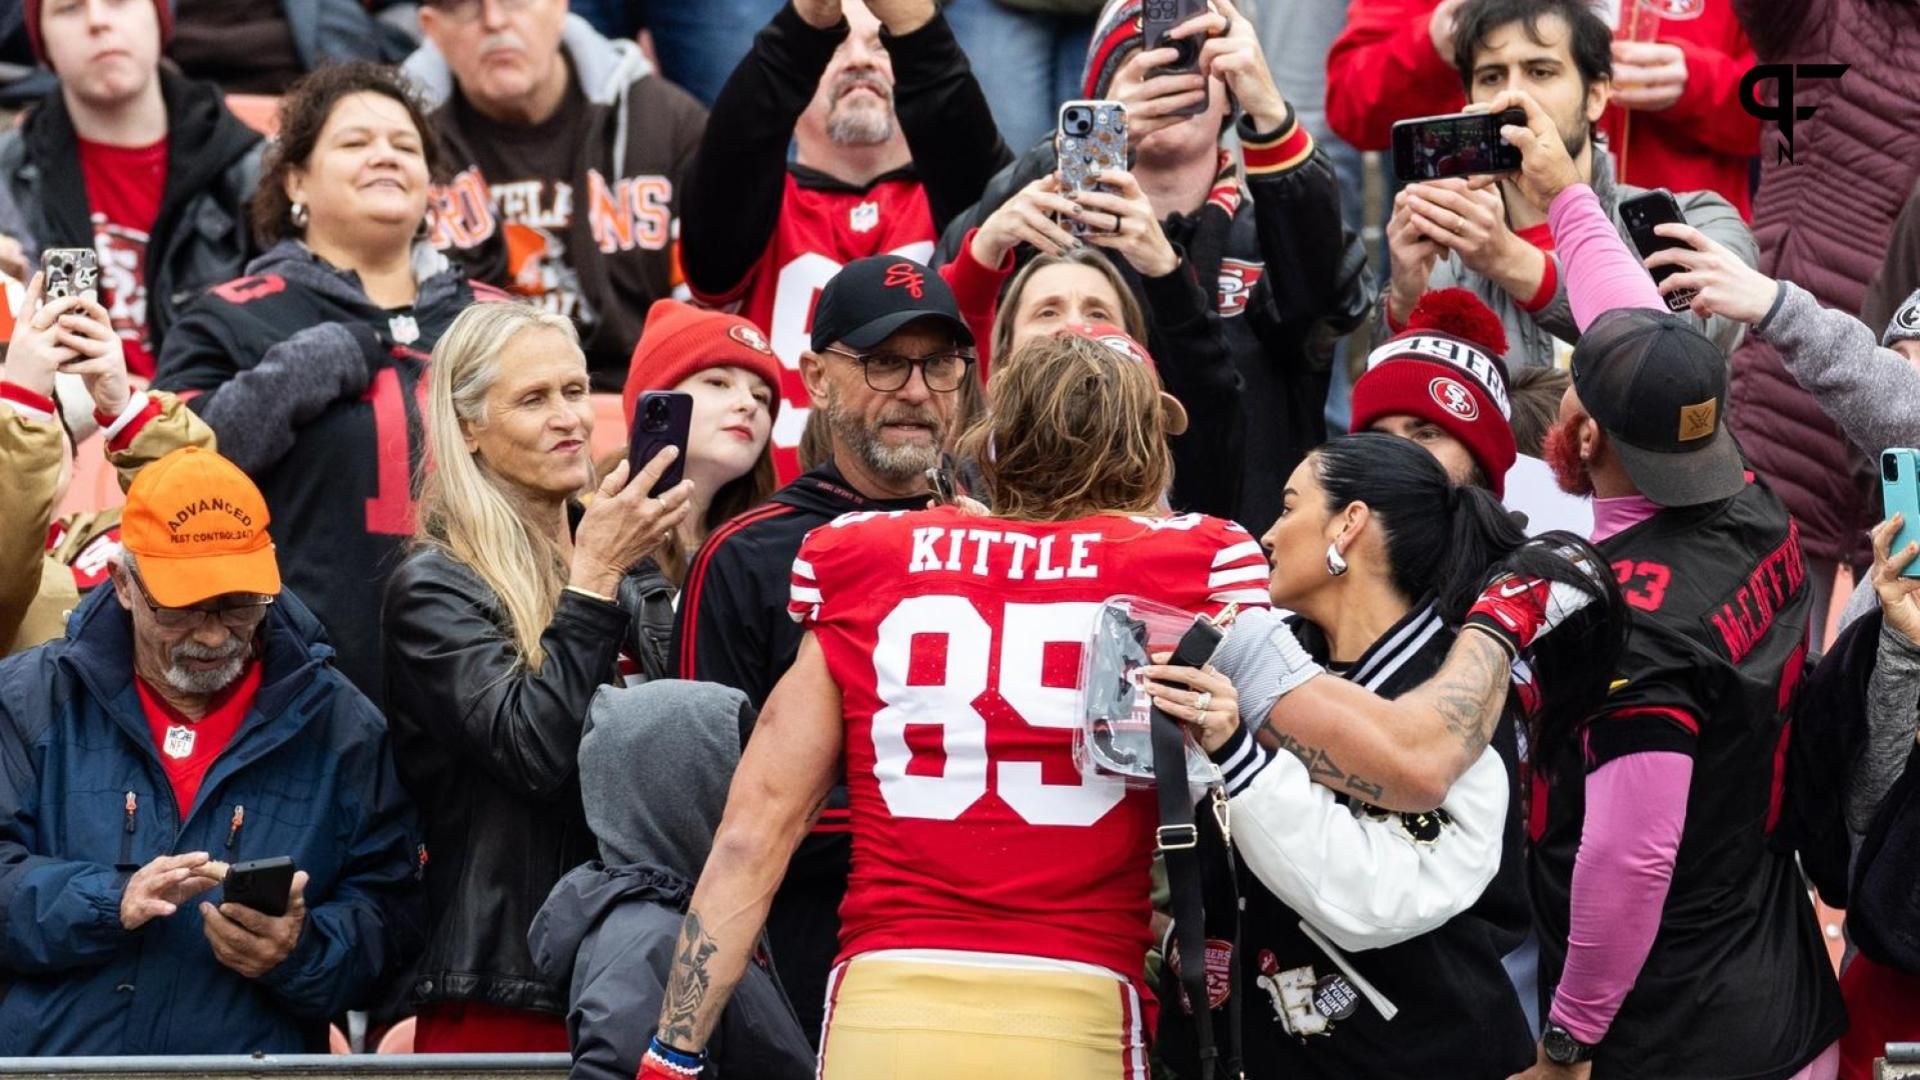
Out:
{"x": 661, "y": 418}
{"x": 71, "y": 272}
{"x": 1642, "y": 213}
{"x": 1901, "y": 493}
{"x": 1458, "y": 144}
{"x": 1158, "y": 19}
{"x": 264, "y": 885}
{"x": 1090, "y": 138}
{"x": 940, "y": 481}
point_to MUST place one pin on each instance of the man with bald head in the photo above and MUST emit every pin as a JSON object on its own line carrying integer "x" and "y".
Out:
{"x": 893, "y": 138}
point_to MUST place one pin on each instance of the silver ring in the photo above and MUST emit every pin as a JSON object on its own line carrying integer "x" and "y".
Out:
{"x": 1204, "y": 701}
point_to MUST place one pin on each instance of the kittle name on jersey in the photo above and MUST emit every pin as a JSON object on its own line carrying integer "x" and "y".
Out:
{"x": 998, "y": 553}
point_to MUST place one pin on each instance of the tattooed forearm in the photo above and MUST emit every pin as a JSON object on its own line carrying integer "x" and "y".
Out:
{"x": 1322, "y": 768}
{"x": 1468, "y": 692}
{"x": 688, "y": 985}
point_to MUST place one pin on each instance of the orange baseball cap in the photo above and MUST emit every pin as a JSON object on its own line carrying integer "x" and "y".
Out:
{"x": 198, "y": 527}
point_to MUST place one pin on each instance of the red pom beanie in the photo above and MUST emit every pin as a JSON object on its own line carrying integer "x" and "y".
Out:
{"x": 1446, "y": 368}
{"x": 680, "y": 339}
{"x": 162, "y": 11}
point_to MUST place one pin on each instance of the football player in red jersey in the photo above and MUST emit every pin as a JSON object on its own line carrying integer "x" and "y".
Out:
{"x": 995, "y": 888}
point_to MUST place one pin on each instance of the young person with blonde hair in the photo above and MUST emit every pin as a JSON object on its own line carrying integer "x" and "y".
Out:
{"x": 501, "y": 625}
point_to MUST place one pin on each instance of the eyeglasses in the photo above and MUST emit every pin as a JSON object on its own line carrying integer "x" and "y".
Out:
{"x": 469, "y": 10}
{"x": 234, "y": 614}
{"x": 887, "y": 372}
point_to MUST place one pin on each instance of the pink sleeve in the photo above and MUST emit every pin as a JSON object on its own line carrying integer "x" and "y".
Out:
{"x": 1636, "y": 808}
{"x": 1602, "y": 274}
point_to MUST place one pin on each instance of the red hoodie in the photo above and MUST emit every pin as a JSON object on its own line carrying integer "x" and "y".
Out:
{"x": 1383, "y": 68}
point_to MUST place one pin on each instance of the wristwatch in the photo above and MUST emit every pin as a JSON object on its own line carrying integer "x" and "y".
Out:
{"x": 1562, "y": 1048}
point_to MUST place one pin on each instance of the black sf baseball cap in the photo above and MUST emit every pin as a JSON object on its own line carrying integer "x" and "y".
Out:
{"x": 870, "y": 298}
{"x": 1658, "y": 387}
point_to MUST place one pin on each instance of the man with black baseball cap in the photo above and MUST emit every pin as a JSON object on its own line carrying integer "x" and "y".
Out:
{"x": 887, "y": 359}
{"x": 1680, "y": 916}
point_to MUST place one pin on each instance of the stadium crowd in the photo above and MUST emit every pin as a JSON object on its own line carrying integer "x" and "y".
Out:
{"x": 1546, "y": 581}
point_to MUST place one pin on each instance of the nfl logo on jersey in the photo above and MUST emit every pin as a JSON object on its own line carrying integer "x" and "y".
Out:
{"x": 864, "y": 217}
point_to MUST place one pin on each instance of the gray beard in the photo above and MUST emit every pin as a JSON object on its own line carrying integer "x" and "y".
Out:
{"x": 189, "y": 681}
{"x": 895, "y": 464}
{"x": 859, "y": 127}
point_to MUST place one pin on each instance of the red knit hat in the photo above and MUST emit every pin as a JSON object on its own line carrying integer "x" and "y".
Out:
{"x": 162, "y": 10}
{"x": 680, "y": 339}
{"x": 1446, "y": 368}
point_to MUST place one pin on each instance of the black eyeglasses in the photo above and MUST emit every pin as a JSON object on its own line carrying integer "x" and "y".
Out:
{"x": 235, "y": 614}
{"x": 887, "y": 372}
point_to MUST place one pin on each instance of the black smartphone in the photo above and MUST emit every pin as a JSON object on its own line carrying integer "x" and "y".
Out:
{"x": 1158, "y": 20}
{"x": 1457, "y": 144}
{"x": 70, "y": 272}
{"x": 1642, "y": 213}
{"x": 265, "y": 885}
{"x": 661, "y": 418}
{"x": 943, "y": 485}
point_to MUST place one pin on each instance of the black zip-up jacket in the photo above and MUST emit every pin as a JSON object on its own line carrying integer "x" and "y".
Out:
{"x": 200, "y": 237}
{"x": 734, "y": 629}
{"x": 490, "y": 752}
{"x": 312, "y": 389}
{"x": 1309, "y": 286}
{"x": 732, "y": 199}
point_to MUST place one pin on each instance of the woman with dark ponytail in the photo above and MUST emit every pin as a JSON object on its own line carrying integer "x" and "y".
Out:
{"x": 1354, "y": 916}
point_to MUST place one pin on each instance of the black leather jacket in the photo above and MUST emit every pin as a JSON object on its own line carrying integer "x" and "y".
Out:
{"x": 488, "y": 750}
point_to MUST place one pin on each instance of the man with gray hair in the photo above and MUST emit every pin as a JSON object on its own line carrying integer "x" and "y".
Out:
{"x": 190, "y": 712}
{"x": 893, "y": 139}
{"x": 608, "y": 929}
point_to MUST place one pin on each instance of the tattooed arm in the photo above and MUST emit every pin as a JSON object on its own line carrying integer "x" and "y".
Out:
{"x": 1406, "y": 753}
{"x": 780, "y": 785}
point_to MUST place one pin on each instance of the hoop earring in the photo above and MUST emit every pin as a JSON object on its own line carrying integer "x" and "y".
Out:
{"x": 297, "y": 213}
{"x": 1336, "y": 565}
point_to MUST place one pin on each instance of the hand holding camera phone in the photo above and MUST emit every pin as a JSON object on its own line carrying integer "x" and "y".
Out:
{"x": 1457, "y": 144}
{"x": 1159, "y": 19}
{"x": 661, "y": 418}
{"x": 1641, "y": 213}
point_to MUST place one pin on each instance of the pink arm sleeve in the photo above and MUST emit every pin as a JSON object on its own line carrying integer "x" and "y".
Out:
{"x": 1636, "y": 807}
{"x": 1602, "y": 274}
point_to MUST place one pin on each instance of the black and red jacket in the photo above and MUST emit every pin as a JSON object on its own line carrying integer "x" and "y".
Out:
{"x": 314, "y": 391}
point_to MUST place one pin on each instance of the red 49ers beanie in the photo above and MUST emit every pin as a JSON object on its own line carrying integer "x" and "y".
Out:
{"x": 1446, "y": 368}
{"x": 162, "y": 10}
{"x": 680, "y": 340}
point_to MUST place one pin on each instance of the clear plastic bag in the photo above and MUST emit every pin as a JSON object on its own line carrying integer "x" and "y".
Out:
{"x": 1115, "y": 737}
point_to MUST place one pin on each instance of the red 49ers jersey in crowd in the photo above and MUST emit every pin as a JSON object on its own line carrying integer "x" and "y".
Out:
{"x": 824, "y": 224}
{"x": 956, "y": 641}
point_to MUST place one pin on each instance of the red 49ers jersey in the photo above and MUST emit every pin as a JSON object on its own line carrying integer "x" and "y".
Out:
{"x": 955, "y": 641}
{"x": 820, "y": 230}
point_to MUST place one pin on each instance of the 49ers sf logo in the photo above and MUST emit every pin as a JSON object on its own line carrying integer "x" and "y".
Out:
{"x": 1237, "y": 279}
{"x": 1454, "y": 398}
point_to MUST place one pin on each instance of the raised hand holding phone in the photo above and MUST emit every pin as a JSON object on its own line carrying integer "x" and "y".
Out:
{"x": 36, "y": 353}
{"x": 624, "y": 524}
{"x": 1721, "y": 283}
{"x": 1546, "y": 169}
{"x": 1896, "y": 576}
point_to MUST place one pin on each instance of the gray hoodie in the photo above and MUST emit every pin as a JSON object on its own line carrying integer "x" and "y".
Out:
{"x": 655, "y": 764}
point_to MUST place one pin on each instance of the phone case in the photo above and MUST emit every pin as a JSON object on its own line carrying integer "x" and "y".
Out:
{"x": 265, "y": 885}
{"x": 661, "y": 418}
{"x": 1158, "y": 18}
{"x": 1900, "y": 489}
{"x": 1085, "y": 152}
{"x": 71, "y": 272}
{"x": 1641, "y": 213}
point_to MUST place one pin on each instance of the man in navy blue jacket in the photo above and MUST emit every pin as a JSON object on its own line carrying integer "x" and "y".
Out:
{"x": 190, "y": 719}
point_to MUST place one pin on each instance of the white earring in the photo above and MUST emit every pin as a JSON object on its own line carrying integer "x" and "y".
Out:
{"x": 297, "y": 213}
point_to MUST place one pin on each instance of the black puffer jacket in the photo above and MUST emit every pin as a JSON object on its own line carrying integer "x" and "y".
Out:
{"x": 488, "y": 750}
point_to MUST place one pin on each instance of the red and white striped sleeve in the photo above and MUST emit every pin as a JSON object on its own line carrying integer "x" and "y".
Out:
{"x": 1239, "y": 571}
{"x": 803, "y": 602}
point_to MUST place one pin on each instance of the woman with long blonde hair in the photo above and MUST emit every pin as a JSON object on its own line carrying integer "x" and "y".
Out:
{"x": 501, "y": 625}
